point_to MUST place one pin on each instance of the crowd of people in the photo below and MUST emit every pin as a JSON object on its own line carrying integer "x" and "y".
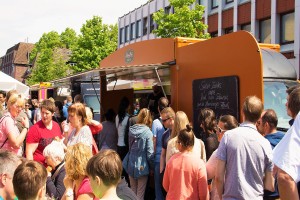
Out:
{"x": 57, "y": 151}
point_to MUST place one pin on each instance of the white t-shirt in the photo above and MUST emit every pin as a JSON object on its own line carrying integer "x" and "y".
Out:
{"x": 286, "y": 153}
{"x": 84, "y": 136}
{"x": 121, "y": 130}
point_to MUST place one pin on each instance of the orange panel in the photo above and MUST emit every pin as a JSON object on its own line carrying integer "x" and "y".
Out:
{"x": 146, "y": 52}
{"x": 233, "y": 54}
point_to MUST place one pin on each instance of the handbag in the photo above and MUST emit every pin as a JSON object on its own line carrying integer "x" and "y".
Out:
{"x": 126, "y": 159}
{"x": 6, "y": 137}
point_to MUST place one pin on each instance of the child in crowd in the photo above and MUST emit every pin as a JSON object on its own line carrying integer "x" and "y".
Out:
{"x": 29, "y": 181}
{"x": 104, "y": 171}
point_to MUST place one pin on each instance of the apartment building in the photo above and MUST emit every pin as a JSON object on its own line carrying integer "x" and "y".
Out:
{"x": 270, "y": 21}
{"x": 16, "y": 60}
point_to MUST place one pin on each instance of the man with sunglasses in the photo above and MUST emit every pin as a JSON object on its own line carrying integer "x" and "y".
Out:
{"x": 267, "y": 127}
{"x": 167, "y": 118}
{"x": 244, "y": 166}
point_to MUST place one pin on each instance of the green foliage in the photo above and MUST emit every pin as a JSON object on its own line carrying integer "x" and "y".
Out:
{"x": 69, "y": 38}
{"x": 48, "y": 61}
{"x": 96, "y": 42}
{"x": 49, "y": 57}
{"x": 185, "y": 22}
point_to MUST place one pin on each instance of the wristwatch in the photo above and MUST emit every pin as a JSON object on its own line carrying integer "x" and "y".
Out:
{"x": 69, "y": 193}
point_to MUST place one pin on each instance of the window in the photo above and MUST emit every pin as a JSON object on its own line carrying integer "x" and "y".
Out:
{"x": 168, "y": 10}
{"x": 145, "y": 25}
{"x": 151, "y": 23}
{"x": 228, "y": 1}
{"x": 287, "y": 28}
{"x": 246, "y": 27}
{"x": 138, "y": 29}
{"x": 132, "y": 31}
{"x": 265, "y": 31}
{"x": 214, "y": 4}
{"x": 127, "y": 33}
{"x": 228, "y": 30}
{"x": 121, "y": 36}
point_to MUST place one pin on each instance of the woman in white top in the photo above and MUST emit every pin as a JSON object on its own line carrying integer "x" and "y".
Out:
{"x": 121, "y": 123}
{"x": 180, "y": 122}
{"x": 80, "y": 132}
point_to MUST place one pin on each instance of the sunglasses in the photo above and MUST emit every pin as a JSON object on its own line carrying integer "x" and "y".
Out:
{"x": 164, "y": 120}
{"x": 220, "y": 130}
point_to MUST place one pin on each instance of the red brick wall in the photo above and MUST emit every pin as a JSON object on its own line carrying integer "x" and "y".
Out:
{"x": 244, "y": 13}
{"x": 263, "y": 9}
{"x": 19, "y": 72}
{"x": 285, "y": 6}
{"x": 227, "y": 18}
{"x": 212, "y": 23}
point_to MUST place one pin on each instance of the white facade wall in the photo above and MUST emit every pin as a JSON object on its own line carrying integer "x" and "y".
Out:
{"x": 149, "y": 8}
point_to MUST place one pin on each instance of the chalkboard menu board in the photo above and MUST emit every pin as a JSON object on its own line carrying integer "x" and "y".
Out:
{"x": 221, "y": 94}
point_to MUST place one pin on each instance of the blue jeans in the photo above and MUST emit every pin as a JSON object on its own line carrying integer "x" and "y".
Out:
{"x": 157, "y": 180}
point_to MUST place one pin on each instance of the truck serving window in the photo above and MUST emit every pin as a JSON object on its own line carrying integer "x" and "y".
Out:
{"x": 275, "y": 98}
{"x": 92, "y": 101}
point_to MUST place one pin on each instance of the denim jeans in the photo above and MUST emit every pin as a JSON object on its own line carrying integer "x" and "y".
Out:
{"x": 158, "y": 184}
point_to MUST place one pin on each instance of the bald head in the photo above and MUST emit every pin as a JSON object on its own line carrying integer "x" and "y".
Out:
{"x": 252, "y": 108}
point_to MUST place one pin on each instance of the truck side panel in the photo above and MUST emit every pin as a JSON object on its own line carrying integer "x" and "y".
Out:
{"x": 236, "y": 54}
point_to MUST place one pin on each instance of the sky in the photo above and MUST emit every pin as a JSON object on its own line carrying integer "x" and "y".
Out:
{"x": 27, "y": 20}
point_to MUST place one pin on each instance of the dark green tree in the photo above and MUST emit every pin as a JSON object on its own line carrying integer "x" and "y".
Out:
{"x": 185, "y": 22}
{"x": 95, "y": 42}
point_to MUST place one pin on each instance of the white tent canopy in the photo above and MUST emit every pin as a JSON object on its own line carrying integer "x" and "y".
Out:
{"x": 8, "y": 83}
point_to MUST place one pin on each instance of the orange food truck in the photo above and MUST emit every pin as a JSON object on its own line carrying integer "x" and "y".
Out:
{"x": 217, "y": 73}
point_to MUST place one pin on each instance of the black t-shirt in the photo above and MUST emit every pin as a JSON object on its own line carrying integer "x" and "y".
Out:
{"x": 165, "y": 138}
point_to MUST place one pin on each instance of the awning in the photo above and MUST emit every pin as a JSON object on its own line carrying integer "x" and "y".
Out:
{"x": 129, "y": 72}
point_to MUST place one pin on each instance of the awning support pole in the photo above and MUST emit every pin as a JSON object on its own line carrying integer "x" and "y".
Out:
{"x": 115, "y": 82}
{"x": 160, "y": 82}
{"x": 95, "y": 90}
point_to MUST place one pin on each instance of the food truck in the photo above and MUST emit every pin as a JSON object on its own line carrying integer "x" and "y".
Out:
{"x": 217, "y": 73}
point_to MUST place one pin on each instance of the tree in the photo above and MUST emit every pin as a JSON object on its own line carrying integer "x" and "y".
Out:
{"x": 96, "y": 41}
{"x": 69, "y": 38}
{"x": 185, "y": 22}
{"x": 49, "y": 62}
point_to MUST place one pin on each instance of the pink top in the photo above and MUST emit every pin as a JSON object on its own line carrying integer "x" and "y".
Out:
{"x": 85, "y": 188}
{"x": 185, "y": 177}
{"x": 8, "y": 126}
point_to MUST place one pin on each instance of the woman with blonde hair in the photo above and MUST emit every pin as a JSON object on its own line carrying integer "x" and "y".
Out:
{"x": 78, "y": 121}
{"x": 180, "y": 122}
{"x": 77, "y": 183}
{"x": 11, "y": 138}
{"x": 141, "y": 153}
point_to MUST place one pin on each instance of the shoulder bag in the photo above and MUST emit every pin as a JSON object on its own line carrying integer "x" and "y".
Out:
{"x": 6, "y": 137}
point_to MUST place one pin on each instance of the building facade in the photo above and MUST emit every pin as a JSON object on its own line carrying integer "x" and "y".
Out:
{"x": 16, "y": 60}
{"x": 270, "y": 21}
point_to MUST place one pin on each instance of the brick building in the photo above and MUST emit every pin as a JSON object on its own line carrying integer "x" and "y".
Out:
{"x": 16, "y": 60}
{"x": 270, "y": 21}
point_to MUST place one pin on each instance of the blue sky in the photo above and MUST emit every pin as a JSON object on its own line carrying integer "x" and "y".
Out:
{"x": 27, "y": 20}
